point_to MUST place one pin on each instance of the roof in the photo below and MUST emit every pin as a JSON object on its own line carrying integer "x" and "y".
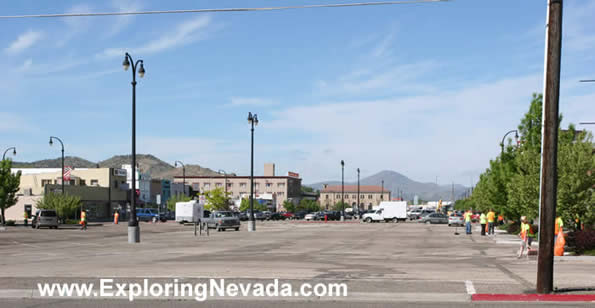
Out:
{"x": 353, "y": 189}
{"x": 233, "y": 177}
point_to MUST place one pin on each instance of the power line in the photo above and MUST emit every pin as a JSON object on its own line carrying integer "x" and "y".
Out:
{"x": 221, "y": 10}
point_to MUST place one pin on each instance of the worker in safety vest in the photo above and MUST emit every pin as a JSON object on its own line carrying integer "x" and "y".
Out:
{"x": 116, "y": 217}
{"x": 500, "y": 219}
{"x": 524, "y": 234}
{"x": 26, "y": 217}
{"x": 83, "y": 220}
{"x": 483, "y": 221}
{"x": 491, "y": 220}
{"x": 558, "y": 227}
{"x": 467, "y": 217}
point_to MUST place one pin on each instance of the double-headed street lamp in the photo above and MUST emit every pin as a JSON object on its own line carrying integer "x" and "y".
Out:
{"x": 62, "y": 144}
{"x": 133, "y": 228}
{"x": 224, "y": 184}
{"x": 253, "y": 120}
{"x": 516, "y": 137}
{"x": 183, "y": 174}
{"x": 342, "y": 190}
{"x": 14, "y": 152}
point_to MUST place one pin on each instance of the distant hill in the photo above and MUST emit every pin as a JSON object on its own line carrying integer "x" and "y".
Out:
{"x": 146, "y": 162}
{"x": 395, "y": 181}
{"x": 72, "y": 161}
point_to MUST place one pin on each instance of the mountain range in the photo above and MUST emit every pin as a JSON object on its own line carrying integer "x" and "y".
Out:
{"x": 147, "y": 164}
{"x": 396, "y": 182}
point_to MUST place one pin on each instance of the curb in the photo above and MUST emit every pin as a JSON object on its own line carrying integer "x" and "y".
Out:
{"x": 533, "y": 298}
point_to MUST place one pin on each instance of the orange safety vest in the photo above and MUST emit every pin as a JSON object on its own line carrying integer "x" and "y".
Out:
{"x": 500, "y": 218}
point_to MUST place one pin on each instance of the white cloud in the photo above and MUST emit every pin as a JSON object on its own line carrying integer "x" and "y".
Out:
{"x": 185, "y": 33}
{"x": 74, "y": 25}
{"x": 26, "y": 65}
{"x": 578, "y": 25}
{"x": 121, "y": 22}
{"x": 251, "y": 101}
{"x": 24, "y": 41}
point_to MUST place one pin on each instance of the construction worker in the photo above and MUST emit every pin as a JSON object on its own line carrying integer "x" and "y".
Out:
{"x": 500, "y": 219}
{"x": 491, "y": 221}
{"x": 483, "y": 221}
{"x": 25, "y": 220}
{"x": 83, "y": 220}
{"x": 524, "y": 234}
{"x": 468, "y": 221}
{"x": 559, "y": 225}
{"x": 116, "y": 217}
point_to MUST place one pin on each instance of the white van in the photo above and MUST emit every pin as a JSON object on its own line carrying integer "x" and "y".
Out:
{"x": 388, "y": 211}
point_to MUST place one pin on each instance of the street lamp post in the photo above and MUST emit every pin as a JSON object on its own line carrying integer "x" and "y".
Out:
{"x": 14, "y": 152}
{"x": 358, "y": 209}
{"x": 342, "y": 190}
{"x": 183, "y": 174}
{"x": 133, "y": 227}
{"x": 62, "y": 144}
{"x": 253, "y": 120}
{"x": 224, "y": 184}
{"x": 516, "y": 137}
{"x": 382, "y": 193}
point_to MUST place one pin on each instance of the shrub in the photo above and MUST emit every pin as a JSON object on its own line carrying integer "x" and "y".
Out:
{"x": 584, "y": 240}
{"x": 72, "y": 221}
{"x": 10, "y": 222}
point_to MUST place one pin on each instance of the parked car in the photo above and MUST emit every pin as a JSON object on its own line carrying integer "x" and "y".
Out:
{"x": 276, "y": 216}
{"x": 266, "y": 215}
{"x": 413, "y": 215}
{"x": 455, "y": 219}
{"x": 149, "y": 215}
{"x": 244, "y": 216}
{"x": 288, "y": 215}
{"x": 258, "y": 215}
{"x": 300, "y": 214}
{"x": 311, "y": 216}
{"x": 221, "y": 221}
{"x": 434, "y": 218}
{"x": 45, "y": 218}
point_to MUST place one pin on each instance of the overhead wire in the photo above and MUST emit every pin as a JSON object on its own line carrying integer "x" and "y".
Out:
{"x": 278, "y": 8}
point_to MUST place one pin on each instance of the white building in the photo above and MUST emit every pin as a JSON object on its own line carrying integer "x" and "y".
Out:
{"x": 143, "y": 183}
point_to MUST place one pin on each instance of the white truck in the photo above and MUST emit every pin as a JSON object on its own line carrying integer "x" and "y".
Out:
{"x": 191, "y": 211}
{"x": 388, "y": 211}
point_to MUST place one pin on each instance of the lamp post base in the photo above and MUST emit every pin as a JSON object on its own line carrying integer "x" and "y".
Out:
{"x": 342, "y": 218}
{"x": 251, "y": 226}
{"x": 133, "y": 234}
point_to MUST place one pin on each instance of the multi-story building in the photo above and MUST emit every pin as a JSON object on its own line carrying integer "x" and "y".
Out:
{"x": 282, "y": 188}
{"x": 102, "y": 190}
{"x": 369, "y": 196}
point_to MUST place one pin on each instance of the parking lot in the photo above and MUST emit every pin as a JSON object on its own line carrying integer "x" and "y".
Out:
{"x": 380, "y": 262}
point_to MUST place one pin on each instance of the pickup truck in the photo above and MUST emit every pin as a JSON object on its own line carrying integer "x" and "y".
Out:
{"x": 221, "y": 221}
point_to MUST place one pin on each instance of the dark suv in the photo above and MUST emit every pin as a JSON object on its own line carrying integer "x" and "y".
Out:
{"x": 149, "y": 215}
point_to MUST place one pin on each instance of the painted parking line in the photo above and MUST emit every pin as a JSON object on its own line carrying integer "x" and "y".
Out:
{"x": 533, "y": 297}
{"x": 469, "y": 286}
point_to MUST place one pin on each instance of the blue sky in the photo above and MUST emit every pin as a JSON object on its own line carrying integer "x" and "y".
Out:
{"x": 426, "y": 90}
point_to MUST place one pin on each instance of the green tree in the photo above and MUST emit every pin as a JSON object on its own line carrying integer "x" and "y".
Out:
{"x": 9, "y": 186}
{"x": 289, "y": 206}
{"x": 308, "y": 206}
{"x": 340, "y": 206}
{"x": 171, "y": 203}
{"x": 65, "y": 205}
{"x": 245, "y": 205}
{"x": 217, "y": 200}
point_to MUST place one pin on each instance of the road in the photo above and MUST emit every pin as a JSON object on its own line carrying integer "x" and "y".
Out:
{"x": 381, "y": 263}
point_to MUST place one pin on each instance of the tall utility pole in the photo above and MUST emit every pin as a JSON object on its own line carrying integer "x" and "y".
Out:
{"x": 358, "y": 209}
{"x": 253, "y": 120}
{"x": 342, "y": 190}
{"x": 549, "y": 148}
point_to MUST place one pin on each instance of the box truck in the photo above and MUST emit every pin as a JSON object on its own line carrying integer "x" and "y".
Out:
{"x": 388, "y": 211}
{"x": 191, "y": 211}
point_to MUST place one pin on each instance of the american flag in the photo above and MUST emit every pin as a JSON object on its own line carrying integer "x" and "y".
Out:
{"x": 67, "y": 170}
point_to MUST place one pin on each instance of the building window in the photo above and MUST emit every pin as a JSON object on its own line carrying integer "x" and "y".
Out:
{"x": 354, "y": 196}
{"x": 269, "y": 185}
{"x": 346, "y": 196}
{"x": 280, "y": 185}
{"x": 326, "y": 197}
{"x": 338, "y": 197}
{"x": 256, "y": 185}
{"x": 94, "y": 182}
{"x": 82, "y": 182}
{"x": 281, "y": 194}
{"x": 206, "y": 185}
{"x": 229, "y": 185}
{"x": 369, "y": 196}
{"x": 45, "y": 182}
{"x": 218, "y": 185}
{"x": 381, "y": 196}
{"x": 242, "y": 185}
{"x": 362, "y": 196}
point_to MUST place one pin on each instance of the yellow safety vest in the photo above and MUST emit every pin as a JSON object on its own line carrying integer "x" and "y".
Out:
{"x": 83, "y": 216}
{"x": 467, "y": 217}
{"x": 491, "y": 216}
{"x": 559, "y": 224}
{"x": 482, "y": 219}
